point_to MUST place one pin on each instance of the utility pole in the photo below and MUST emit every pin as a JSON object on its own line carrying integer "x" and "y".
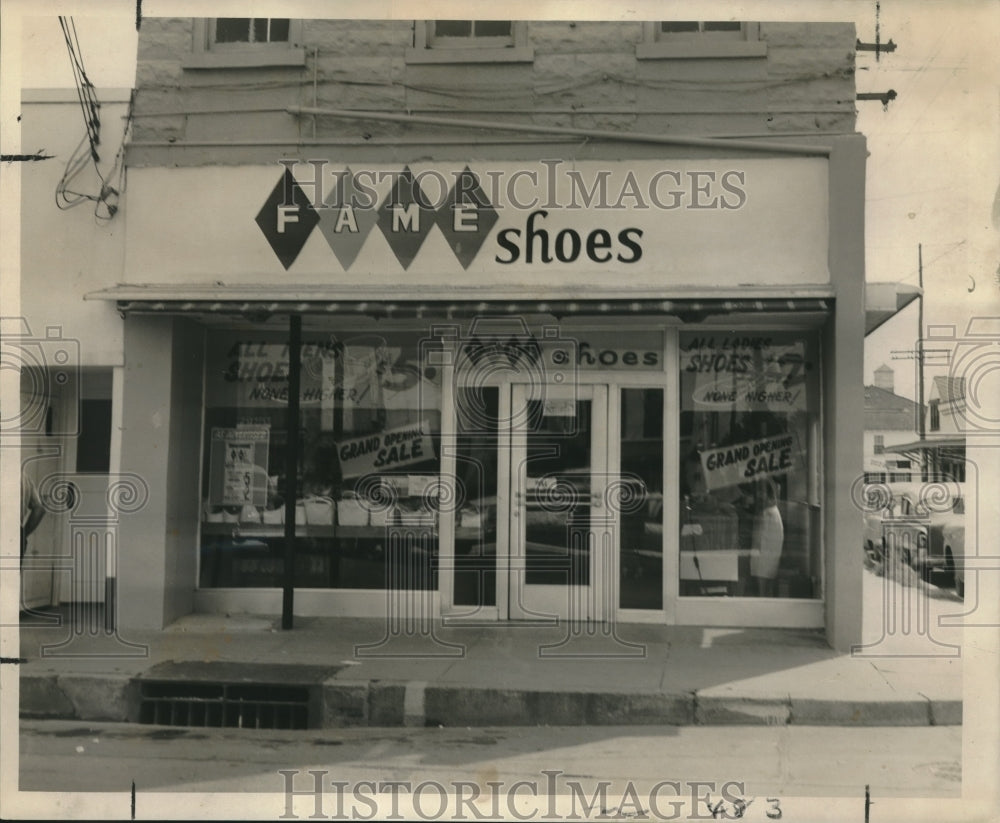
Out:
{"x": 921, "y": 433}
{"x": 920, "y": 342}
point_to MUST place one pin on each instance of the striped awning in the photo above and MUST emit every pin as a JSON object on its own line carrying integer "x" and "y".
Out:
{"x": 684, "y": 309}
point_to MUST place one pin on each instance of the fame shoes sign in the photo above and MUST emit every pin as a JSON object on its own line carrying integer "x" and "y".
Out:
{"x": 464, "y": 214}
{"x": 554, "y": 214}
{"x": 553, "y": 223}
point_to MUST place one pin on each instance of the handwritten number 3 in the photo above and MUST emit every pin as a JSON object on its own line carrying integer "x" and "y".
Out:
{"x": 774, "y": 813}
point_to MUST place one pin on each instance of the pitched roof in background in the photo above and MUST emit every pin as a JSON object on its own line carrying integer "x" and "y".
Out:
{"x": 949, "y": 389}
{"x": 885, "y": 410}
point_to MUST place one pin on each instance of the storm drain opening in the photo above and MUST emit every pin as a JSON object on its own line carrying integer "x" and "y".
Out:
{"x": 225, "y": 705}
{"x": 224, "y": 694}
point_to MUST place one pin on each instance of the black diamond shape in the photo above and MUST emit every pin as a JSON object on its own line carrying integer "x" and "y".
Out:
{"x": 466, "y": 193}
{"x": 406, "y": 197}
{"x": 287, "y": 218}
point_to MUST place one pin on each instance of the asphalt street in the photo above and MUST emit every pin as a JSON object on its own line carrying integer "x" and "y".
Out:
{"x": 785, "y": 760}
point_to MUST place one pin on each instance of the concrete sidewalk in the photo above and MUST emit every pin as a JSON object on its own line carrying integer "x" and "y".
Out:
{"x": 509, "y": 675}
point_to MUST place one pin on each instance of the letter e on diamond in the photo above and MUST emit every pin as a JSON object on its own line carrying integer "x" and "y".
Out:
{"x": 287, "y": 218}
{"x": 404, "y": 218}
{"x": 466, "y": 217}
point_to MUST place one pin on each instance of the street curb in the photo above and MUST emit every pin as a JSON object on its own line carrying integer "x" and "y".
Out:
{"x": 712, "y": 710}
{"x": 822, "y": 712}
{"x": 465, "y": 706}
{"x": 75, "y": 696}
{"x": 40, "y": 696}
{"x": 946, "y": 712}
{"x": 348, "y": 703}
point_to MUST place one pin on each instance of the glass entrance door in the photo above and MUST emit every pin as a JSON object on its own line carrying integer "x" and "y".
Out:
{"x": 560, "y": 530}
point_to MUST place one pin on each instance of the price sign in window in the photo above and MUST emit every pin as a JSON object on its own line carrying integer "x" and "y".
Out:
{"x": 238, "y": 474}
{"x": 238, "y": 481}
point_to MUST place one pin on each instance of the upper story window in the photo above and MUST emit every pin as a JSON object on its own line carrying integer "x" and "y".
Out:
{"x": 246, "y": 42}
{"x": 229, "y": 30}
{"x": 700, "y": 39}
{"x": 706, "y": 28}
{"x": 935, "y": 406}
{"x": 451, "y": 34}
{"x": 472, "y": 41}
{"x": 879, "y": 443}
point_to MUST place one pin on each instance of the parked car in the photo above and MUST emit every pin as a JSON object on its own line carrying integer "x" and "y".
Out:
{"x": 896, "y": 530}
{"x": 921, "y": 525}
{"x": 953, "y": 539}
{"x": 945, "y": 536}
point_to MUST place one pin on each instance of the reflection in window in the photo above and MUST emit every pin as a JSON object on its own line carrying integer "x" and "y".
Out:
{"x": 749, "y": 514}
{"x": 368, "y": 475}
{"x": 477, "y": 414}
{"x": 557, "y": 487}
{"x": 640, "y": 502}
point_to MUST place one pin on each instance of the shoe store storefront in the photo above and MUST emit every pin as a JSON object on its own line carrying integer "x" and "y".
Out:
{"x": 598, "y": 390}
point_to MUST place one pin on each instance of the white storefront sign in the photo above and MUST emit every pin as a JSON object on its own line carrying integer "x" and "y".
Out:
{"x": 544, "y": 225}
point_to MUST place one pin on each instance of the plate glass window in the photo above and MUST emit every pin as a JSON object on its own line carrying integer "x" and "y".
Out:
{"x": 750, "y": 465}
{"x": 367, "y": 487}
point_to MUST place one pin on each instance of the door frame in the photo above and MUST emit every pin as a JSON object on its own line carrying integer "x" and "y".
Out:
{"x": 614, "y": 382}
{"x": 553, "y": 601}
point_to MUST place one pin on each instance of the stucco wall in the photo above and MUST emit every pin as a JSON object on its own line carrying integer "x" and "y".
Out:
{"x": 582, "y": 74}
{"x": 183, "y": 516}
{"x": 66, "y": 253}
{"x": 161, "y": 437}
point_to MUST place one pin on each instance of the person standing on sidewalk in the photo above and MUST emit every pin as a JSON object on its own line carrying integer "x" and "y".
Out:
{"x": 32, "y": 511}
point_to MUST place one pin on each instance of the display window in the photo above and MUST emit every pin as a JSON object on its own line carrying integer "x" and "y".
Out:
{"x": 367, "y": 486}
{"x": 564, "y": 486}
{"x": 749, "y": 470}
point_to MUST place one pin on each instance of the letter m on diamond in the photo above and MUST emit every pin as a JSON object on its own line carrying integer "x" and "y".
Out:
{"x": 287, "y": 218}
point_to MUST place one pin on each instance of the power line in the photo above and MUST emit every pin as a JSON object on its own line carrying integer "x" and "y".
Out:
{"x": 86, "y": 152}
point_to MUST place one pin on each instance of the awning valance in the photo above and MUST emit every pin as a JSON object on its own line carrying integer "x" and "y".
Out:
{"x": 684, "y": 309}
{"x": 133, "y": 300}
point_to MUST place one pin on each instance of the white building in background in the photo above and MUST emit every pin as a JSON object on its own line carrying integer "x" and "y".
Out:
{"x": 890, "y": 420}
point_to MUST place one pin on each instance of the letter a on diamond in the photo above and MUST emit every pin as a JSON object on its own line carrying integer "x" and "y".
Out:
{"x": 344, "y": 223}
{"x": 287, "y": 218}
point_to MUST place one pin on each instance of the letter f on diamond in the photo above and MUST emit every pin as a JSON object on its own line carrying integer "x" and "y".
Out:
{"x": 287, "y": 222}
